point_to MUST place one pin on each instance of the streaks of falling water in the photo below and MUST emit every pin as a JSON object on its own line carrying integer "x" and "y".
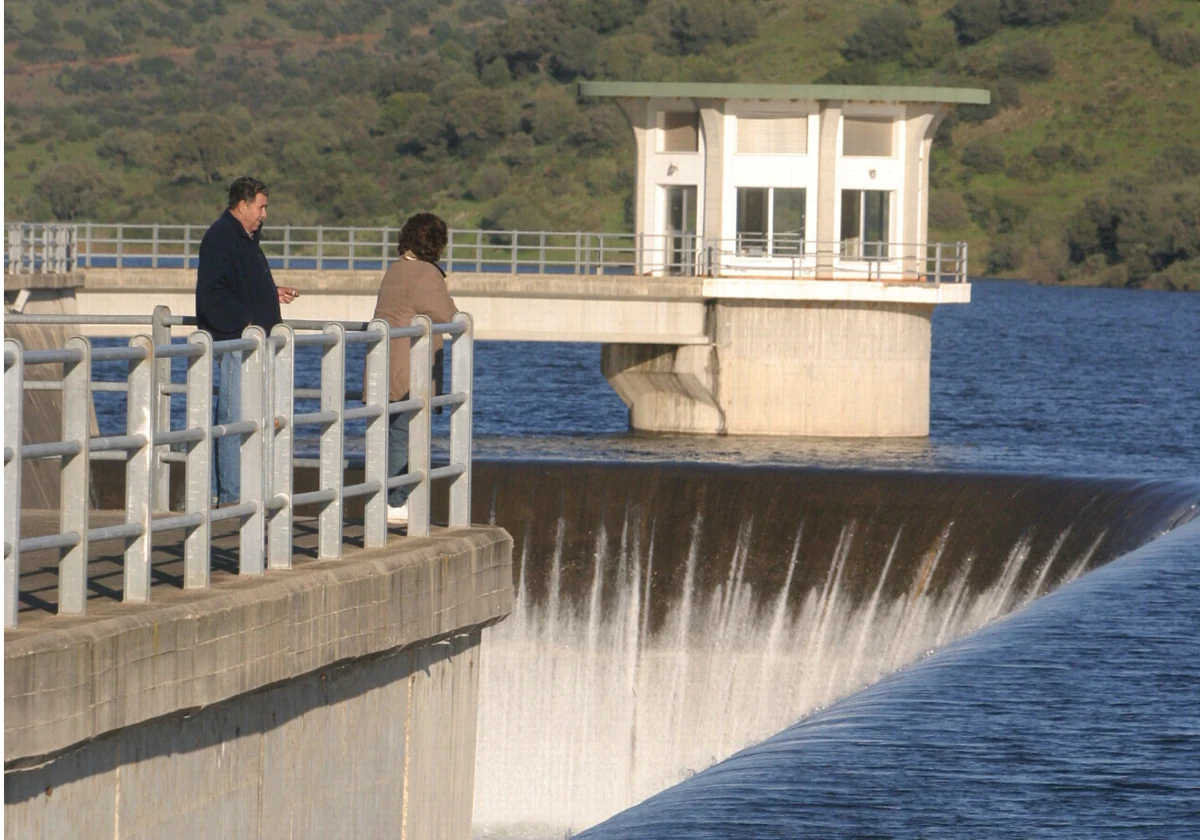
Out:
{"x": 582, "y": 713}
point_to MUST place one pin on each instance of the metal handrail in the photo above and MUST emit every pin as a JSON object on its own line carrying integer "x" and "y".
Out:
{"x": 266, "y": 508}
{"x": 35, "y": 248}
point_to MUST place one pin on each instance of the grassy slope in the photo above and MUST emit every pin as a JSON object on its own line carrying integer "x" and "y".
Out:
{"x": 1112, "y": 96}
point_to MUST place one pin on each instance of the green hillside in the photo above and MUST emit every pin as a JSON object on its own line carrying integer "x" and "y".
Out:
{"x": 1085, "y": 169}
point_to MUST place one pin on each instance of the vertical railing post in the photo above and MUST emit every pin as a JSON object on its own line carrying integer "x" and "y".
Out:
{"x": 332, "y": 466}
{"x": 376, "y": 379}
{"x": 120, "y": 244}
{"x": 350, "y": 254}
{"x": 187, "y": 247}
{"x": 516, "y": 236}
{"x": 320, "y": 248}
{"x": 75, "y": 478}
{"x": 542, "y": 252}
{"x": 383, "y": 249}
{"x": 282, "y": 383}
{"x": 60, "y": 249}
{"x": 420, "y": 427}
{"x": 253, "y": 532}
{"x": 154, "y": 246}
{"x": 963, "y": 276}
{"x": 462, "y": 366}
{"x": 160, "y": 331}
{"x": 14, "y": 404}
{"x": 197, "y": 549}
{"x": 937, "y": 262}
{"x": 13, "y": 262}
{"x": 88, "y": 244}
{"x": 287, "y": 246}
{"x": 479, "y": 252}
{"x": 139, "y": 470}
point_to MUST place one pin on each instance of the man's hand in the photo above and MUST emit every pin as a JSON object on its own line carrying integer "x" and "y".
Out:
{"x": 287, "y": 294}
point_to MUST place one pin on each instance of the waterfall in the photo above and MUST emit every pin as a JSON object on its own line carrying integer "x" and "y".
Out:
{"x": 643, "y": 648}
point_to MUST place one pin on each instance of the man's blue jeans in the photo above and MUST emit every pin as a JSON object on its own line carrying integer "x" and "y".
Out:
{"x": 398, "y": 457}
{"x": 227, "y": 456}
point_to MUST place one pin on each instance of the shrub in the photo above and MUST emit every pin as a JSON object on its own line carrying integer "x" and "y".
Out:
{"x": 1179, "y": 46}
{"x": 930, "y": 44}
{"x": 881, "y": 36}
{"x": 947, "y": 210}
{"x": 1028, "y": 59}
{"x": 1144, "y": 226}
{"x": 1006, "y": 253}
{"x": 975, "y": 20}
{"x": 74, "y": 190}
{"x": 488, "y": 182}
{"x": 983, "y": 155}
{"x": 856, "y": 73}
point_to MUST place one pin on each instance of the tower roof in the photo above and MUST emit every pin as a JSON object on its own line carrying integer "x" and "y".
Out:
{"x": 723, "y": 90}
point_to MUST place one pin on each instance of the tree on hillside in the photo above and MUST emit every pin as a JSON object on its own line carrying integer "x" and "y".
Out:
{"x": 882, "y": 35}
{"x": 1142, "y": 225}
{"x": 74, "y": 190}
{"x": 975, "y": 20}
{"x": 695, "y": 25}
{"x": 203, "y": 147}
{"x": 1027, "y": 59}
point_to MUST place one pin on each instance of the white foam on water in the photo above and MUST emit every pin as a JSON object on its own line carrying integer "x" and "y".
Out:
{"x": 583, "y": 714}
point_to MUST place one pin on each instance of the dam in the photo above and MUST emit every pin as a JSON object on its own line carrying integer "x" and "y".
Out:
{"x": 669, "y": 615}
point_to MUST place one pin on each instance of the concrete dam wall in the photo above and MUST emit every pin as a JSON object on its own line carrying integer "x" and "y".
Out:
{"x": 669, "y": 615}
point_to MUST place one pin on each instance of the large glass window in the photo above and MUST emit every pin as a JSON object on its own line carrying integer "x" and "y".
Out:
{"x": 680, "y": 131}
{"x": 770, "y": 221}
{"x": 866, "y": 224}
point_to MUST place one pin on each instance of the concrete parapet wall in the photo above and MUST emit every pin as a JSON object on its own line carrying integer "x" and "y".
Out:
{"x": 335, "y": 699}
{"x": 382, "y": 747}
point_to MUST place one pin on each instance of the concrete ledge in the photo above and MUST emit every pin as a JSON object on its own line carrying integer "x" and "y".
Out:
{"x": 868, "y": 291}
{"x": 16, "y": 282}
{"x": 195, "y": 648}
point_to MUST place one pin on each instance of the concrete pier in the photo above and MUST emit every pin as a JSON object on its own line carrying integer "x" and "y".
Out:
{"x": 830, "y": 368}
{"x": 335, "y": 699}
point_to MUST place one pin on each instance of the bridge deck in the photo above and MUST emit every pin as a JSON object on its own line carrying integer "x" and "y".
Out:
{"x": 39, "y": 569}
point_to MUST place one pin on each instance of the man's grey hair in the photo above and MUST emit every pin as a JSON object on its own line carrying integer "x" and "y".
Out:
{"x": 246, "y": 189}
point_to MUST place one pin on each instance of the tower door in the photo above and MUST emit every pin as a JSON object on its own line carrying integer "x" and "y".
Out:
{"x": 681, "y": 230}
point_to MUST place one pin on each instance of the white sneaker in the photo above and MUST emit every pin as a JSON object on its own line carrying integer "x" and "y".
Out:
{"x": 397, "y": 515}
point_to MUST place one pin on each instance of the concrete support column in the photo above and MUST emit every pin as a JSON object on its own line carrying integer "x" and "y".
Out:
{"x": 712, "y": 125}
{"x": 920, "y": 125}
{"x": 638, "y": 114}
{"x": 820, "y": 368}
{"x": 827, "y": 204}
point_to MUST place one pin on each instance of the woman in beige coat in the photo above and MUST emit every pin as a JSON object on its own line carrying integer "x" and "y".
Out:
{"x": 413, "y": 285}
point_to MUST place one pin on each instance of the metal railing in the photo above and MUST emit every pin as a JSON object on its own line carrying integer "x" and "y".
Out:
{"x": 265, "y": 510}
{"x": 796, "y": 258}
{"x": 40, "y": 249}
{"x": 92, "y": 245}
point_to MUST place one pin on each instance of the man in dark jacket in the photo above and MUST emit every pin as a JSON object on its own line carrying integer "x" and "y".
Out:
{"x": 234, "y": 289}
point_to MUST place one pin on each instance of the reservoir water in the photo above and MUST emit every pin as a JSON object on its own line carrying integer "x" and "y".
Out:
{"x": 812, "y": 607}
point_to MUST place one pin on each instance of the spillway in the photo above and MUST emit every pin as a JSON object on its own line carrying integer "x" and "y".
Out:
{"x": 668, "y": 615}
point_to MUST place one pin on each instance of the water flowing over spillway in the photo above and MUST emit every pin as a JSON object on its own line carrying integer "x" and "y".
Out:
{"x": 669, "y": 615}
